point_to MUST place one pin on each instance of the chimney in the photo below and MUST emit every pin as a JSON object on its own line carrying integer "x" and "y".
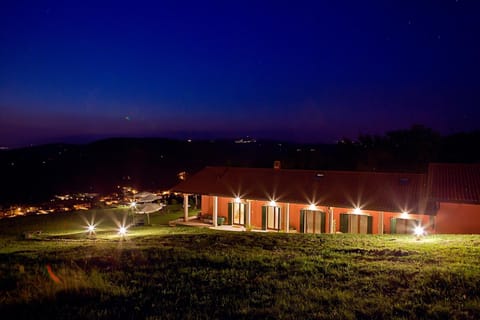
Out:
{"x": 276, "y": 164}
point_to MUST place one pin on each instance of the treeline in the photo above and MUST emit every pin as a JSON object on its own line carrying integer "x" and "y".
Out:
{"x": 409, "y": 150}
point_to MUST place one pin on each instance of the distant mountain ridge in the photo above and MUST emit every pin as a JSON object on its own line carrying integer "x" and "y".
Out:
{"x": 36, "y": 173}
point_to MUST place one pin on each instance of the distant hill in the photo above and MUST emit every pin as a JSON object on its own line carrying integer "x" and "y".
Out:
{"x": 34, "y": 174}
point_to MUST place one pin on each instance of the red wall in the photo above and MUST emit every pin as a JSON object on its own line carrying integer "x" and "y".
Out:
{"x": 295, "y": 215}
{"x": 458, "y": 218}
{"x": 207, "y": 205}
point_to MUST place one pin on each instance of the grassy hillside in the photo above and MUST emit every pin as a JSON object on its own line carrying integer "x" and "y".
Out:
{"x": 163, "y": 272}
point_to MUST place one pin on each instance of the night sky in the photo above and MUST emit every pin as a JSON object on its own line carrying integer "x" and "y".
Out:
{"x": 297, "y": 70}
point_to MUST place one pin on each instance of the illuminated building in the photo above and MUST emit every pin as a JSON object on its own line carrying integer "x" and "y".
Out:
{"x": 341, "y": 201}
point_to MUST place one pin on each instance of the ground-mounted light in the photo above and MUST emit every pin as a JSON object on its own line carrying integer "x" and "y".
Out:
{"x": 419, "y": 232}
{"x": 122, "y": 231}
{"x": 90, "y": 225}
{"x": 91, "y": 230}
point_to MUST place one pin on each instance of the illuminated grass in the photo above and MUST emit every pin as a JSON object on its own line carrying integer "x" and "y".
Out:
{"x": 181, "y": 272}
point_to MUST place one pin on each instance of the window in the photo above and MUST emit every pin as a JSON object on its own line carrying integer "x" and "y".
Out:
{"x": 403, "y": 226}
{"x": 312, "y": 221}
{"x": 355, "y": 223}
{"x": 271, "y": 218}
{"x": 237, "y": 212}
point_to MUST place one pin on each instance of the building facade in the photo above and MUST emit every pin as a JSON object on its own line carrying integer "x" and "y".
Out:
{"x": 446, "y": 199}
{"x": 309, "y": 218}
{"x": 455, "y": 191}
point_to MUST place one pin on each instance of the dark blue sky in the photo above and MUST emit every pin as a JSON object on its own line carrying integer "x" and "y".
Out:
{"x": 297, "y": 70}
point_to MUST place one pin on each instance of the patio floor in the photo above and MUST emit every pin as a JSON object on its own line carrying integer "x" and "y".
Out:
{"x": 199, "y": 224}
{"x": 195, "y": 222}
{"x": 229, "y": 228}
{"x": 190, "y": 223}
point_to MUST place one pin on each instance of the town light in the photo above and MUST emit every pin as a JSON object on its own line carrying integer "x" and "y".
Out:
{"x": 91, "y": 228}
{"x": 133, "y": 204}
{"x": 357, "y": 211}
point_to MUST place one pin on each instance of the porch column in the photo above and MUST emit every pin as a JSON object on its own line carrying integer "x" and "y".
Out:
{"x": 185, "y": 207}
{"x": 287, "y": 218}
{"x": 331, "y": 227}
{"x": 380, "y": 223}
{"x": 215, "y": 210}
{"x": 248, "y": 220}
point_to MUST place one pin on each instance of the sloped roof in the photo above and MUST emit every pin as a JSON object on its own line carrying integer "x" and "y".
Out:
{"x": 454, "y": 182}
{"x": 368, "y": 190}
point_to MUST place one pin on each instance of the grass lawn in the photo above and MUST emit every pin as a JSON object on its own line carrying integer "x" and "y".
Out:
{"x": 162, "y": 272}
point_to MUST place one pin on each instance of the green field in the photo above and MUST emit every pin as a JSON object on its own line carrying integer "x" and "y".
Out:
{"x": 167, "y": 272}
